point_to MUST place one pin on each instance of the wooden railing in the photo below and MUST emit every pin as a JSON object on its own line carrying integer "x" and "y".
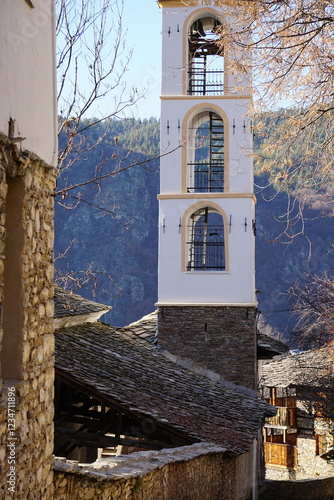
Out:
{"x": 285, "y": 417}
{"x": 281, "y": 455}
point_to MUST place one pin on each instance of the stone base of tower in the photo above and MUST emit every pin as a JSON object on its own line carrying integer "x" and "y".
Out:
{"x": 220, "y": 338}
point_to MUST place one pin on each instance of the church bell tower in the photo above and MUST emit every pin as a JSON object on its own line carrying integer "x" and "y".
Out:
{"x": 206, "y": 292}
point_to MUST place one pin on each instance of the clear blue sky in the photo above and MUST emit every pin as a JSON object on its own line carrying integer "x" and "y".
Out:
{"x": 143, "y": 22}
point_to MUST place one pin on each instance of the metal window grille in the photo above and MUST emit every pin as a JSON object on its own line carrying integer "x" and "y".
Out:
{"x": 206, "y": 61}
{"x": 206, "y": 171}
{"x": 206, "y": 241}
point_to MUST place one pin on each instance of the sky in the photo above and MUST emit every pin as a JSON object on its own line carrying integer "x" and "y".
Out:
{"x": 141, "y": 31}
{"x": 142, "y": 19}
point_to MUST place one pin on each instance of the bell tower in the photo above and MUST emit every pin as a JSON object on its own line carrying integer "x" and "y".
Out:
{"x": 206, "y": 292}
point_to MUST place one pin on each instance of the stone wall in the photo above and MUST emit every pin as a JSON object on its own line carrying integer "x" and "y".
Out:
{"x": 223, "y": 339}
{"x": 310, "y": 464}
{"x": 315, "y": 489}
{"x": 196, "y": 472}
{"x": 27, "y": 345}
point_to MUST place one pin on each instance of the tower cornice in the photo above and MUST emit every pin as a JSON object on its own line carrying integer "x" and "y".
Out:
{"x": 200, "y": 196}
{"x": 188, "y": 3}
{"x": 205, "y": 97}
{"x": 177, "y": 3}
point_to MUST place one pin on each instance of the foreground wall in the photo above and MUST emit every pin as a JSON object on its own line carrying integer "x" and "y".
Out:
{"x": 27, "y": 75}
{"x": 312, "y": 489}
{"x": 197, "y": 472}
{"x": 26, "y": 331}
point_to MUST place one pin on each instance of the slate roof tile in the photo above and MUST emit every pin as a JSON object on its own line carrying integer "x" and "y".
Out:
{"x": 145, "y": 328}
{"x": 305, "y": 368}
{"x": 134, "y": 374}
{"x": 271, "y": 345}
{"x": 71, "y": 304}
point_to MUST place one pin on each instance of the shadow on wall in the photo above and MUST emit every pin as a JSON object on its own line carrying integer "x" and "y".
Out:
{"x": 310, "y": 489}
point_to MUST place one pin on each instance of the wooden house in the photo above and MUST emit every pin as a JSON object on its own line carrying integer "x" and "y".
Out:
{"x": 298, "y": 441}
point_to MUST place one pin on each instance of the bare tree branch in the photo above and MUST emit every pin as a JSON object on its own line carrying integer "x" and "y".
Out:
{"x": 313, "y": 302}
{"x": 292, "y": 62}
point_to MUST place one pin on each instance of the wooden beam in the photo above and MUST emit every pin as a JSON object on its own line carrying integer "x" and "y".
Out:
{"x": 99, "y": 441}
{"x": 129, "y": 417}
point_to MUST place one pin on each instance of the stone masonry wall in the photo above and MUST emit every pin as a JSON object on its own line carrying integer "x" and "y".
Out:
{"x": 314, "y": 489}
{"x": 196, "y": 472}
{"x": 223, "y": 339}
{"x": 310, "y": 464}
{"x": 26, "y": 405}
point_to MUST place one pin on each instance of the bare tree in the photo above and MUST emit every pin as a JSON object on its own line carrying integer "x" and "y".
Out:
{"x": 313, "y": 305}
{"x": 92, "y": 62}
{"x": 92, "y": 92}
{"x": 292, "y": 48}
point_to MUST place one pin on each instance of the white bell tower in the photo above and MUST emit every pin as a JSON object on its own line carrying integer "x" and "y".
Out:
{"x": 206, "y": 292}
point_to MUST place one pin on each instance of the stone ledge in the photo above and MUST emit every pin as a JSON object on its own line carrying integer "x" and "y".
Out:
{"x": 137, "y": 464}
{"x": 16, "y": 161}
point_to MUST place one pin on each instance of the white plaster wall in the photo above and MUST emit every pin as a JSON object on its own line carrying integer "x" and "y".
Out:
{"x": 175, "y": 21}
{"x": 27, "y": 75}
{"x": 238, "y": 138}
{"x": 237, "y": 286}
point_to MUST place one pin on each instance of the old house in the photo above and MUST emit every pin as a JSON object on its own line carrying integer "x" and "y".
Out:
{"x": 114, "y": 388}
{"x": 188, "y": 403}
{"x": 28, "y": 152}
{"x": 299, "y": 440}
{"x": 117, "y": 388}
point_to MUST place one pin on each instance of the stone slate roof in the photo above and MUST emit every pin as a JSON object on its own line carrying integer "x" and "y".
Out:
{"x": 270, "y": 346}
{"x": 70, "y": 304}
{"x": 306, "y": 368}
{"x": 145, "y": 328}
{"x": 132, "y": 373}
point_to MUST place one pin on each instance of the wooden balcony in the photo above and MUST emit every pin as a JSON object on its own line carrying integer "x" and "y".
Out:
{"x": 280, "y": 455}
{"x": 285, "y": 417}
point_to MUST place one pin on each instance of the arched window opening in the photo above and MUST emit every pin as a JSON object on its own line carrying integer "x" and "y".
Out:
{"x": 206, "y": 61}
{"x": 206, "y": 150}
{"x": 206, "y": 245}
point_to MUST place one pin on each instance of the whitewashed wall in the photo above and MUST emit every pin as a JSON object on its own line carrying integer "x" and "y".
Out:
{"x": 175, "y": 23}
{"x": 238, "y": 141}
{"x": 235, "y": 286}
{"x": 27, "y": 75}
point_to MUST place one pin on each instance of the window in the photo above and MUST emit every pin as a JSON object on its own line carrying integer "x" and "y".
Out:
{"x": 320, "y": 444}
{"x": 206, "y": 247}
{"x": 206, "y": 61}
{"x": 206, "y": 153}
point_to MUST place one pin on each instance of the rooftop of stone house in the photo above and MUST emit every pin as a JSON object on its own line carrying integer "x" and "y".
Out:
{"x": 269, "y": 346}
{"x": 311, "y": 367}
{"x": 134, "y": 374}
{"x": 70, "y": 306}
{"x": 145, "y": 328}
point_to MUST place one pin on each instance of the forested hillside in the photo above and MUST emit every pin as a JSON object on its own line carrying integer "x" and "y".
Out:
{"x": 114, "y": 255}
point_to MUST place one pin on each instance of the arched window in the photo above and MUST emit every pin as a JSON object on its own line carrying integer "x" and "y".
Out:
{"x": 206, "y": 154}
{"x": 206, "y": 61}
{"x": 206, "y": 245}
